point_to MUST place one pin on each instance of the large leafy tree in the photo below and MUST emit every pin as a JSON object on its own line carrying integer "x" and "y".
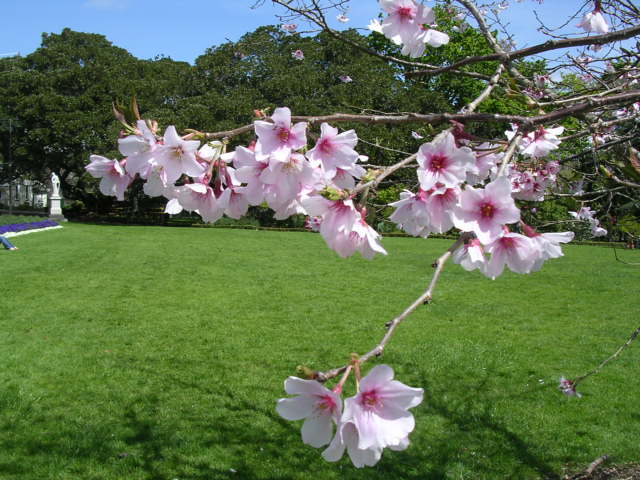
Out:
{"x": 60, "y": 99}
{"x": 60, "y": 95}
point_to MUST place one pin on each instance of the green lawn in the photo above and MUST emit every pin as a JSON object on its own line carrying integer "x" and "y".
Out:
{"x": 159, "y": 353}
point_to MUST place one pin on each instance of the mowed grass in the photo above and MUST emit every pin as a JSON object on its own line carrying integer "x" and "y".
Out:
{"x": 159, "y": 353}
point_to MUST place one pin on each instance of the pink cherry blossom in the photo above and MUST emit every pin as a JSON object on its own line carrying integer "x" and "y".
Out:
{"x": 289, "y": 27}
{"x": 317, "y": 405}
{"x": 376, "y": 418}
{"x": 342, "y": 227}
{"x": 486, "y": 159}
{"x": 298, "y": 54}
{"x": 548, "y": 244}
{"x": 598, "y": 231}
{"x": 484, "y": 211}
{"x": 585, "y": 213}
{"x": 361, "y": 238}
{"x": 334, "y": 150}
{"x": 313, "y": 223}
{"x": 402, "y": 23}
{"x": 427, "y": 36}
{"x": 337, "y": 216}
{"x": 380, "y": 409}
{"x": 405, "y": 26}
{"x": 426, "y": 212}
{"x": 568, "y": 387}
{"x": 440, "y": 161}
{"x": 156, "y": 183}
{"x": 516, "y": 251}
{"x": 178, "y": 156}
{"x": 347, "y": 438}
{"x": 441, "y": 204}
{"x": 238, "y": 202}
{"x": 173, "y": 207}
{"x": 470, "y": 256}
{"x": 115, "y": 179}
{"x": 345, "y": 79}
{"x": 345, "y": 178}
{"x": 210, "y": 151}
{"x": 138, "y": 149}
{"x": 248, "y": 170}
{"x": 541, "y": 81}
{"x": 286, "y": 180}
{"x": 293, "y": 207}
{"x": 553, "y": 168}
{"x": 539, "y": 143}
{"x": 412, "y": 213}
{"x": 277, "y": 140}
{"x": 200, "y": 198}
{"x": 528, "y": 186}
{"x": 342, "y": 18}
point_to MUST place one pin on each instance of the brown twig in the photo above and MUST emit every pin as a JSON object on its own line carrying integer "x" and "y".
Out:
{"x": 616, "y": 354}
{"x": 361, "y": 187}
{"x": 509, "y": 153}
{"x": 484, "y": 28}
{"x": 626, "y": 98}
{"x": 549, "y": 45}
{"x": 495, "y": 79}
{"x": 595, "y": 464}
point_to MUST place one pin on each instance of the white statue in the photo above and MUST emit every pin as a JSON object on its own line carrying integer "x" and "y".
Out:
{"x": 55, "y": 185}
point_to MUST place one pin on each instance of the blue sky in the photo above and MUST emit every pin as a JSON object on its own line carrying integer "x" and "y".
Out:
{"x": 183, "y": 29}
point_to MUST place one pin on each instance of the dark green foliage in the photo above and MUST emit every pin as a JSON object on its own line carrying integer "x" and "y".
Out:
{"x": 60, "y": 98}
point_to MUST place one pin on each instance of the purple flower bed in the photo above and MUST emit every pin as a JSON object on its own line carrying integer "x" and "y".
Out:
{"x": 21, "y": 227}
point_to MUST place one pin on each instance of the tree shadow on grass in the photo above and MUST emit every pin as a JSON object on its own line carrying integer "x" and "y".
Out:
{"x": 476, "y": 445}
{"x": 244, "y": 438}
{"x": 258, "y": 443}
{"x": 32, "y": 438}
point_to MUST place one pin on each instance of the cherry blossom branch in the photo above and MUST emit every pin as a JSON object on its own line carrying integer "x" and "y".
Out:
{"x": 381, "y": 147}
{"x": 493, "y": 42}
{"x": 493, "y": 82}
{"x": 583, "y": 194}
{"x": 599, "y": 125}
{"x": 549, "y": 45}
{"x": 615, "y": 253}
{"x": 617, "y": 353}
{"x": 618, "y": 180}
{"x": 425, "y": 298}
{"x": 604, "y": 146}
{"x": 564, "y": 101}
{"x": 229, "y": 133}
{"x": 382, "y": 175}
{"x": 435, "y": 118}
{"x": 509, "y": 153}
